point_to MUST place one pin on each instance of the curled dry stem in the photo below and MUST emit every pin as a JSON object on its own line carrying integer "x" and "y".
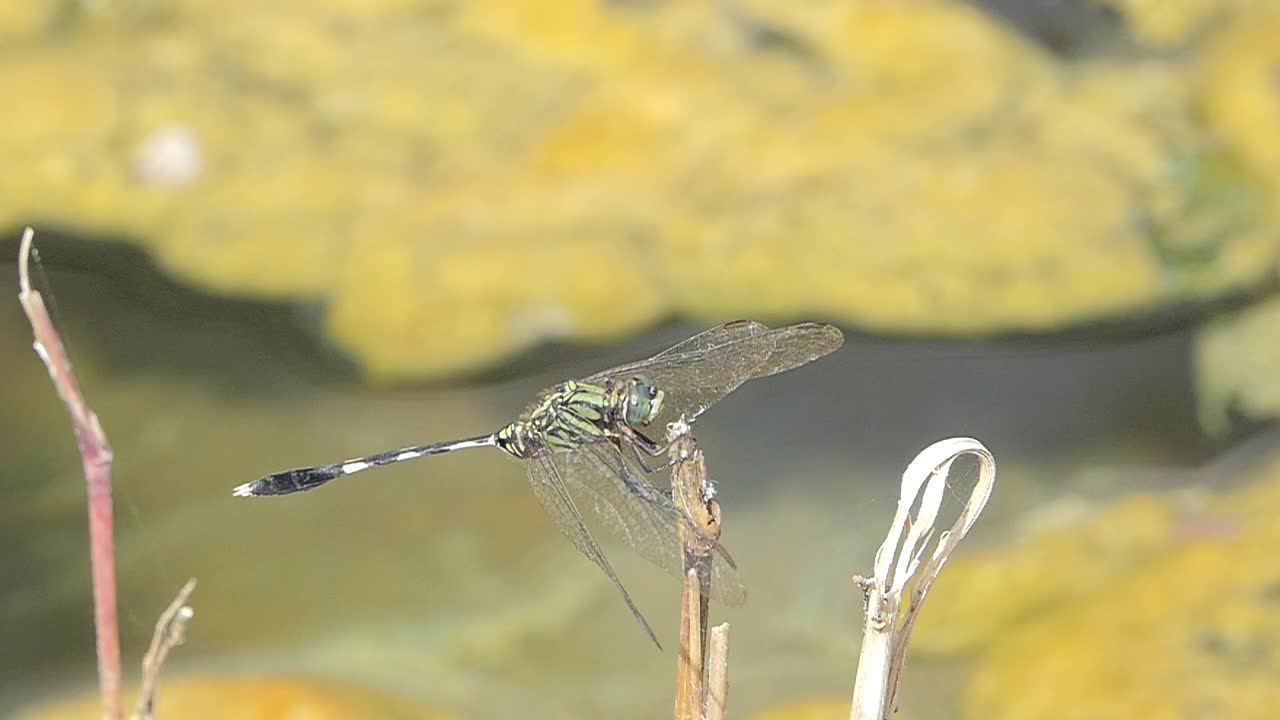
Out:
{"x": 887, "y": 624}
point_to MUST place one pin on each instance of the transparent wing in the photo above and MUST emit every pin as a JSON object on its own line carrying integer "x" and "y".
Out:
{"x": 550, "y": 491}
{"x": 700, "y": 371}
{"x": 718, "y": 335}
{"x": 640, "y": 514}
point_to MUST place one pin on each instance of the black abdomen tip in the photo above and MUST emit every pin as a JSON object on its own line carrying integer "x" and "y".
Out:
{"x": 289, "y": 481}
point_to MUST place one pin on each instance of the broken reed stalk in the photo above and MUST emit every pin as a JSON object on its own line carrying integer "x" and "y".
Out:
{"x": 717, "y": 688}
{"x": 693, "y": 495}
{"x": 95, "y": 458}
{"x": 169, "y": 633}
{"x": 888, "y": 624}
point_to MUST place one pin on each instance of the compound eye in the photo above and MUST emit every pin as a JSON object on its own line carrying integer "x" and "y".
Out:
{"x": 638, "y": 407}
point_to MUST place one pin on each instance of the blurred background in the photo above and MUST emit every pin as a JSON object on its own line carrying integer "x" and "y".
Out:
{"x": 285, "y": 233}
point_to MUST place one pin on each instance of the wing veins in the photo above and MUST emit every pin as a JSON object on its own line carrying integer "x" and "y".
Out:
{"x": 549, "y": 488}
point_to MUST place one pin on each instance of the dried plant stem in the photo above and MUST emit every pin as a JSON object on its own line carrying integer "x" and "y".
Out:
{"x": 95, "y": 457}
{"x": 689, "y": 690}
{"x": 717, "y": 690}
{"x": 888, "y": 624}
{"x": 168, "y": 634}
{"x": 692, "y": 494}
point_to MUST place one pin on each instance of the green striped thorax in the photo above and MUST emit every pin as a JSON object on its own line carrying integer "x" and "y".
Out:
{"x": 577, "y": 413}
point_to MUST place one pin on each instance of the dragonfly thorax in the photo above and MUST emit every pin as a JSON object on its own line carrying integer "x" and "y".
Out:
{"x": 576, "y": 413}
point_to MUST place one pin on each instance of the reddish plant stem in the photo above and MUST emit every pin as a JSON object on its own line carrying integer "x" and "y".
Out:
{"x": 95, "y": 458}
{"x": 102, "y": 557}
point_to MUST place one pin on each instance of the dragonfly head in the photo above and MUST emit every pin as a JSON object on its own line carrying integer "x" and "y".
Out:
{"x": 643, "y": 401}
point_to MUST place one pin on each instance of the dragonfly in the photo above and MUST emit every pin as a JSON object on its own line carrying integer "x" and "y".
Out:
{"x": 589, "y": 441}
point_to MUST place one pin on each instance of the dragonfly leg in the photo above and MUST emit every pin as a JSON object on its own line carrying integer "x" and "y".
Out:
{"x": 644, "y": 465}
{"x": 638, "y": 441}
{"x": 642, "y": 488}
{"x": 643, "y": 442}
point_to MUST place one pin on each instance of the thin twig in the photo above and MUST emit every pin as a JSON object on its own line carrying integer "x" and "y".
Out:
{"x": 692, "y": 494}
{"x": 95, "y": 458}
{"x": 887, "y": 626}
{"x": 168, "y": 634}
{"x": 717, "y": 672}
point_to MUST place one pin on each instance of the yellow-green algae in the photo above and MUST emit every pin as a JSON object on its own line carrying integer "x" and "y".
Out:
{"x": 1192, "y": 634}
{"x": 1173, "y": 23}
{"x": 984, "y": 594}
{"x": 456, "y": 182}
{"x": 813, "y": 709}
{"x": 1237, "y": 92}
{"x": 1238, "y": 366}
{"x": 1238, "y": 356}
{"x": 1159, "y": 606}
{"x": 215, "y": 698}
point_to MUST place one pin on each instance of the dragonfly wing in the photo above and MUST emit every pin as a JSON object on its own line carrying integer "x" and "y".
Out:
{"x": 550, "y": 490}
{"x": 714, "y": 337}
{"x": 640, "y": 514}
{"x": 698, "y": 372}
